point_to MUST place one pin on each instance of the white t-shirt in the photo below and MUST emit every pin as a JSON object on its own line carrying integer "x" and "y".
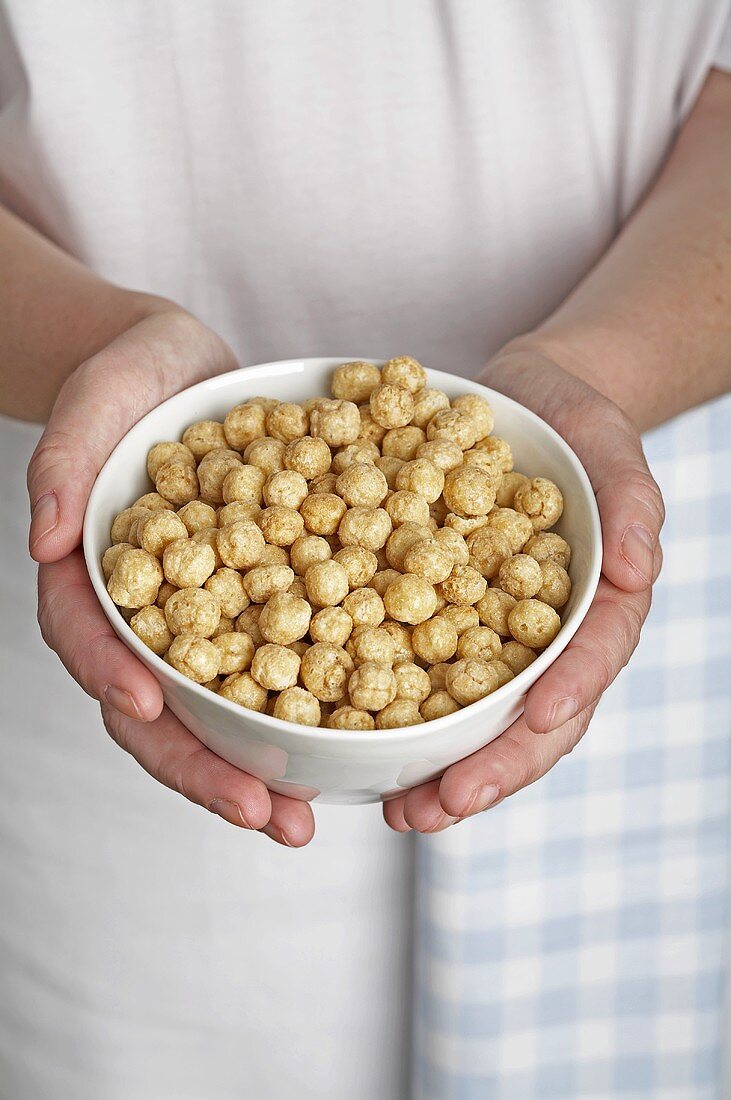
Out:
{"x": 345, "y": 179}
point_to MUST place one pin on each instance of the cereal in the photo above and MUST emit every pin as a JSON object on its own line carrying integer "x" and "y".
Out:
{"x": 366, "y": 527}
{"x": 477, "y": 408}
{"x": 470, "y": 680}
{"x": 494, "y": 608}
{"x": 392, "y": 406}
{"x": 275, "y": 555}
{"x": 248, "y": 622}
{"x": 481, "y": 642}
{"x": 555, "y": 585}
{"x": 308, "y": 456}
{"x": 285, "y": 618}
{"x": 464, "y": 585}
{"x": 150, "y": 626}
{"x": 243, "y": 482}
{"x": 331, "y": 624}
{"x": 227, "y": 585}
{"x": 192, "y": 611}
{"x": 389, "y": 467}
{"x": 520, "y": 576}
{"x": 540, "y": 500}
{"x": 263, "y": 581}
{"x": 464, "y": 525}
{"x": 327, "y": 584}
{"x": 235, "y": 651}
{"x": 365, "y": 607}
{"x": 306, "y": 551}
{"x": 322, "y": 513}
{"x": 402, "y": 539}
{"x": 403, "y": 443}
{"x": 405, "y": 507}
{"x": 438, "y": 705}
{"x": 469, "y": 491}
{"x": 196, "y": 658}
{"x": 488, "y": 549}
{"x": 401, "y": 712}
{"x": 135, "y": 579}
{"x": 382, "y": 579}
{"x": 177, "y": 482}
{"x": 401, "y": 637}
{"x": 516, "y": 527}
{"x": 361, "y": 451}
{"x": 162, "y": 453}
{"x": 442, "y": 452}
{"x": 362, "y": 485}
{"x": 295, "y": 704}
{"x": 548, "y": 546}
{"x": 517, "y": 656}
{"x": 533, "y": 623}
{"x": 450, "y": 424}
{"x": 372, "y": 644}
{"x": 435, "y": 640}
{"x": 325, "y": 670}
{"x": 355, "y": 381}
{"x": 370, "y": 429}
{"x": 404, "y": 371}
{"x": 281, "y": 525}
{"x": 240, "y": 544}
{"x": 429, "y": 560}
{"x": 427, "y": 403}
{"x": 238, "y": 509}
{"x": 275, "y": 667}
{"x": 196, "y": 515}
{"x": 350, "y": 718}
{"x": 335, "y": 422}
{"x": 286, "y": 422}
{"x": 112, "y": 555}
{"x": 158, "y": 530}
{"x": 509, "y": 482}
{"x": 267, "y": 454}
{"x": 243, "y": 424}
{"x": 372, "y": 687}
{"x": 410, "y": 599}
{"x": 204, "y": 436}
{"x": 213, "y": 469}
{"x": 462, "y": 616}
{"x": 438, "y": 675}
{"x": 499, "y": 451}
{"x": 412, "y": 682}
{"x": 360, "y": 565}
{"x": 243, "y": 689}
{"x": 423, "y": 477}
{"x": 286, "y": 488}
{"x": 164, "y": 593}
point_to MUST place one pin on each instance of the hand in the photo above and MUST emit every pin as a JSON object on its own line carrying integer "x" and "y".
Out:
{"x": 162, "y": 353}
{"x": 559, "y": 706}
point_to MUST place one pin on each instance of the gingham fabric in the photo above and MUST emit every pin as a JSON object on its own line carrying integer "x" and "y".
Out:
{"x": 572, "y": 942}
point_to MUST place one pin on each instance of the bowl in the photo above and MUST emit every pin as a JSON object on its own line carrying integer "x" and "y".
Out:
{"x": 341, "y": 766}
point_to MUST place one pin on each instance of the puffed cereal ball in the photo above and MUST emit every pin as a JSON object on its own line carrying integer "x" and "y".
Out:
{"x": 151, "y": 627}
{"x": 281, "y": 525}
{"x": 555, "y": 585}
{"x": 322, "y": 513}
{"x": 135, "y": 579}
{"x": 327, "y": 584}
{"x": 403, "y": 443}
{"x": 362, "y": 485}
{"x": 441, "y": 452}
{"x": 494, "y": 609}
{"x": 164, "y": 593}
{"x": 267, "y": 454}
{"x": 391, "y": 406}
{"x": 225, "y": 626}
{"x": 504, "y": 672}
{"x": 461, "y": 616}
{"x": 464, "y": 525}
{"x": 369, "y": 428}
{"x": 325, "y": 670}
{"x": 410, "y": 599}
{"x": 365, "y": 607}
{"x": 248, "y": 621}
{"x": 435, "y": 640}
{"x": 298, "y": 588}
{"x": 355, "y": 381}
{"x": 429, "y": 560}
{"x": 520, "y": 576}
{"x": 350, "y": 718}
{"x": 243, "y": 689}
{"x": 197, "y": 515}
{"x": 360, "y": 452}
{"x": 192, "y": 611}
{"x": 488, "y": 549}
{"x": 263, "y": 581}
{"x": 325, "y": 483}
{"x": 404, "y": 371}
{"x": 533, "y": 623}
{"x": 274, "y": 555}
{"x": 451, "y": 540}
{"x": 285, "y": 488}
{"x": 235, "y": 651}
{"x": 204, "y": 436}
{"x": 517, "y": 656}
{"x": 438, "y": 675}
{"x": 238, "y": 509}
{"x": 240, "y": 544}
{"x": 196, "y": 658}
{"x": 306, "y": 551}
{"x": 412, "y": 682}
{"x": 422, "y": 476}
{"x": 295, "y": 704}
{"x": 402, "y": 539}
{"x": 331, "y": 624}
{"x": 337, "y": 422}
{"x": 275, "y": 667}
{"x": 516, "y": 527}
{"x": 372, "y": 687}
{"x": 548, "y": 546}
{"x": 469, "y": 491}
{"x": 177, "y": 482}
{"x": 367, "y": 527}
{"x": 287, "y": 421}
{"x": 427, "y": 403}
{"x": 112, "y": 555}
{"x": 360, "y": 565}
{"x": 405, "y": 507}
{"x": 227, "y": 585}
{"x": 451, "y": 424}
{"x": 399, "y": 713}
{"x": 243, "y": 482}
{"x": 401, "y": 637}
{"x": 308, "y": 456}
{"x": 481, "y": 642}
{"x": 285, "y": 618}
{"x": 243, "y": 424}
{"x": 153, "y": 501}
{"x": 541, "y": 501}
{"x": 469, "y": 680}
{"x": 213, "y": 469}
{"x": 464, "y": 585}
{"x": 478, "y": 409}
{"x": 499, "y": 451}
{"x": 158, "y": 530}
{"x": 389, "y": 467}
{"x": 475, "y": 457}
{"x": 506, "y": 489}
{"x": 372, "y": 645}
{"x": 438, "y": 705}
{"x": 382, "y": 578}
{"x": 162, "y": 453}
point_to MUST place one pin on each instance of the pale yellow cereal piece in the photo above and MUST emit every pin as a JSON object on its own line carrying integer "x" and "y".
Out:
{"x": 534, "y": 623}
{"x": 462, "y": 617}
{"x": 410, "y": 599}
{"x": 412, "y": 682}
{"x": 452, "y": 541}
{"x": 548, "y": 546}
{"x": 298, "y": 588}
{"x": 162, "y": 453}
{"x": 401, "y": 636}
{"x": 476, "y": 457}
{"x": 488, "y": 549}
{"x": 327, "y": 584}
{"x": 153, "y": 501}
{"x": 362, "y": 451}
{"x": 481, "y": 642}
{"x": 239, "y": 509}
{"x": 248, "y": 621}
{"x": 429, "y": 560}
{"x": 427, "y": 403}
{"x": 243, "y": 482}
{"x": 275, "y": 667}
{"x": 392, "y": 406}
{"x": 464, "y": 525}
{"x": 504, "y": 672}
{"x": 151, "y": 627}
{"x": 435, "y": 640}
{"x": 451, "y": 424}
{"x": 442, "y": 452}
{"x": 195, "y": 657}
{"x": 187, "y": 563}
{"x": 506, "y": 489}
{"x": 365, "y": 607}
{"x": 322, "y": 512}
{"x": 158, "y": 530}
{"x": 197, "y": 515}
{"x": 111, "y": 557}
{"x": 286, "y": 488}
{"x": 369, "y": 429}
{"x": 263, "y": 581}
{"x": 438, "y": 705}
{"x": 325, "y": 483}
{"x": 402, "y": 539}
{"x": 469, "y": 491}
{"x": 177, "y": 482}
{"x": 541, "y": 500}
{"x": 227, "y": 585}
{"x": 336, "y": 422}
{"x": 243, "y": 424}
{"x": 243, "y": 689}
{"x": 381, "y": 579}
{"x": 285, "y": 618}
{"x": 213, "y": 470}
{"x": 404, "y": 371}
{"x": 389, "y": 467}
{"x": 514, "y": 525}
{"x": 208, "y": 536}
{"x": 306, "y": 551}
{"x": 403, "y": 443}
{"x": 275, "y": 555}
{"x": 372, "y": 687}
{"x": 405, "y": 507}
{"x": 362, "y": 485}
{"x": 470, "y": 680}
{"x": 331, "y": 624}
{"x": 355, "y": 381}
{"x": 192, "y": 611}
{"x": 438, "y": 675}
{"x": 399, "y": 713}
{"x": 555, "y": 585}
{"x": 281, "y": 525}
{"x": 267, "y": 403}
{"x": 350, "y": 718}
{"x": 360, "y": 565}
{"x": 478, "y": 409}
{"x": 204, "y": 436}
{"x": 164, "y": 593}
{"x": 422, "y": 476}
{"x": 368, "y": 644}
{"x": 464, "y": 585}
{"x": 499, "y": 450}
{"x": 295, "y": 704}
{"x": 367, "y": 527}
{"x": 494, "y": 609}
{"x": 225, "y": 626}
{"x": 325, "y": 670}
{"x": 520, "y": 576}
{"x": 235, "y": 651}
{"x": 517, "y": 656}
{"x": 287, "y": 421}
{"x": 135, "y": 579}
{"x": 267, "y": 454}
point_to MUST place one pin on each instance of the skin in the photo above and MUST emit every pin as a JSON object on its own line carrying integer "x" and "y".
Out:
{"x": 644, "y": 336}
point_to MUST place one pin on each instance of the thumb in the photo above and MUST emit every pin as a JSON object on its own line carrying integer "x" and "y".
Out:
{"x": 98, "y": 404}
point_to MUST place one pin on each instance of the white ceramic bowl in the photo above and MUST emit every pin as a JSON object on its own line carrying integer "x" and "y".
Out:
{"x": 342, "y": 766}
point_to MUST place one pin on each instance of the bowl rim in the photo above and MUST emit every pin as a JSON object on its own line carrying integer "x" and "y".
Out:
{"x": 544, "y": 660}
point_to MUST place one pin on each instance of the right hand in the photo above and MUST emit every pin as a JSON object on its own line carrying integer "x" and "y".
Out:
{"x": 164, "y": 352}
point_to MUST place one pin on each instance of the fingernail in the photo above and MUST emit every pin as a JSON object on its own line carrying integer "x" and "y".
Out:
{"x": 479, "y": 799}
{"x": 44, "y": 517}
{"x": 562, "y": 711}
{"x": 276, "y": 834}
{"x": 122, "y": 700}
{"x": 638, "y": 550}
{"x": 230, "y": 811}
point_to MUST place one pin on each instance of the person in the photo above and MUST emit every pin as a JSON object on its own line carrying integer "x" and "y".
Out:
{"x": 544, "y": 189}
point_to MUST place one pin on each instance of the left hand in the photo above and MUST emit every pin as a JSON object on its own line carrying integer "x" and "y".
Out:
{"x": 559, "y": 706}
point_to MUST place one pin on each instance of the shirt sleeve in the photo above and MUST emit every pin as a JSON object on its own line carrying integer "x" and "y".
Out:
{"x": 722, "y": 56}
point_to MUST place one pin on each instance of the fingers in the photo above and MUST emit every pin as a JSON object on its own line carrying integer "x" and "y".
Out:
{"x": 98, "y": 404}
{"x": 172, "y": 755}
{"x": 393, "y": 814}
{"x": 593, "y": 658}
{"x": 292, "y": 822}
{"x": 75, "y": 627}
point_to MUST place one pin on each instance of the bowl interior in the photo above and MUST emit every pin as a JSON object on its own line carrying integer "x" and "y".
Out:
{"x": 537, "y": 449}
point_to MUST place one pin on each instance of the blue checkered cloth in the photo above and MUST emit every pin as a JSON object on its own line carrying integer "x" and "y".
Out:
{"x": 571, "y": 942}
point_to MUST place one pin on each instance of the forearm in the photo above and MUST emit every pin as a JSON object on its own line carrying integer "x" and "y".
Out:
{"x": 650, "y": 326}
{"x": 54, "y": 314}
